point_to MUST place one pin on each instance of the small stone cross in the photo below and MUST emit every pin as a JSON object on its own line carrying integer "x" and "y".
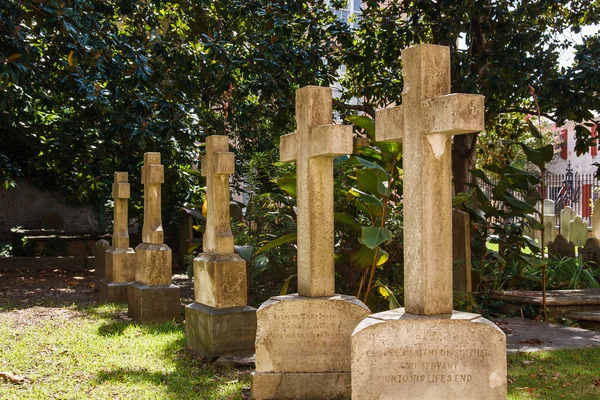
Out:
{"x": 153, "y": 175}
{"x": 424, "y": 122}
{"x": 217, "y": 165}
{"x": 120, "y": 192}
{"x": 314, "y": 145}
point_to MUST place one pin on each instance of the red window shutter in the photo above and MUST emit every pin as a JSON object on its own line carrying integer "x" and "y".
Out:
{"x": 563, "y": 146}
{"x": 585, "y": 200}
{"x": 594, "y": 148}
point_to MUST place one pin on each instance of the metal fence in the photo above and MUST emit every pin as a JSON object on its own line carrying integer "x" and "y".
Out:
{"x": 580, "y": 191}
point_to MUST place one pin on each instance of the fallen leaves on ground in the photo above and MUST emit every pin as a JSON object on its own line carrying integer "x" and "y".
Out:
{"x": 13, "y": 378}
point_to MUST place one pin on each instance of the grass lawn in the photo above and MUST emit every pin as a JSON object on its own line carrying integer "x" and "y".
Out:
{"x": 93, "y": 352}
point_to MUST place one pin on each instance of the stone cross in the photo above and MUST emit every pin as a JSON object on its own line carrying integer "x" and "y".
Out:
{"x": 153, "y": 175}
{"x": 120, "y": 192}
{"x": 314, "y": 145}
{"x": 424, "y": 122}
{"x": 217, "y": 165}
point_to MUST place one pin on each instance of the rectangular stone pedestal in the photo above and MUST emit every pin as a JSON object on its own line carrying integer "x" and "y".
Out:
{"x": 396, "y": 355}
{"x": 214, "y": 332}
{"x": 113, "y": 292}
{"x": 304, "y": 343}
{"x": 308, "y": 386}
{"x": 153, "y": 303}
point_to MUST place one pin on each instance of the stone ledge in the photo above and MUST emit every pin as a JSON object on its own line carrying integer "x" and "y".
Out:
{"x": 305, "y": 386}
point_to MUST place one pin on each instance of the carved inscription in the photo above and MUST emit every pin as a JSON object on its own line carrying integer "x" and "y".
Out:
{"x": 433, "y": 367}
{"x": 307, "y": 336}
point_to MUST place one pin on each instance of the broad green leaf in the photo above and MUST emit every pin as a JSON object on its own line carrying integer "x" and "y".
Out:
{"x": 364, "y": 122}
{"x": 378, "y": 169}
{"x": 286, "y": 284}
{"x": 244, "y": 251}
{"x": 534, "y": 131}
{"x": 372, "y": 203}
{"x": 374, "y": 236}
{"x": 533, "y": 223}
{"x": 388, "y": 295}
{"x": 364, "y": 256}
{"x": 191, "y": 172}
{"x": 481, "y": 175}
{"x": 371, "y": 302}
{"x": 519, "y": 205}
{"x": 383, "y": 257}
{"x": 260, "y": 264}
{"x": 389, "y": 150}
{"x": 369, "y": 181}
{"x": 278, "y": 242}
{"x": 347, "y": 220}
{"x": 288, "y": 184}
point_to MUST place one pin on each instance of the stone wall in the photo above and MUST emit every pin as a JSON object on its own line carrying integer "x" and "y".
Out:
{"x": 25, "y": 205}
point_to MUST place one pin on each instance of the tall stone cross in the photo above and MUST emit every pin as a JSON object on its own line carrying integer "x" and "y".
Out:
{"x": 424, "y": 122}
{"x": 153, "y": 175}
{"x": 120, "y": 192}
{"x": 217, "y": 165}
{"x": 314, "y": 145}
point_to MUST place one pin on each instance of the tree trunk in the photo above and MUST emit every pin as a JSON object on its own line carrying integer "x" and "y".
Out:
{"x": 463, "y": 159}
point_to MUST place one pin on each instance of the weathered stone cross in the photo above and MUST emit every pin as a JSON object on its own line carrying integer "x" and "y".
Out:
{"x": 217, "y": 165}
{"x": 424, "y": 123}
{"x": 120, "y": 192}
{"x": 314, "y": 145}
{"x": 153, "y": 175}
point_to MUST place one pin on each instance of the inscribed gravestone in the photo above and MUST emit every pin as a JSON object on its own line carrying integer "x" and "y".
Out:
{"x": 596, "y": 220}
{"x": 120, "y": 258}
{"x": 578, "y": 230}
{"x": 567, "y": 214}
{"x": 219, "y": 322}
{"x": 303, "y": 340}
{"x": 560, "y": 247}
{"x": 591, "y": 252}
{"x": 99, "y": 252}
{"x": 426, "y": 350}
{"x": 549, "y": 221}
{"x": 152, "y": 297}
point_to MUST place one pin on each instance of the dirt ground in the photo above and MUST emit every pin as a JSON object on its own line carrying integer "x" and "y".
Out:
{"x": 29, "y": 296}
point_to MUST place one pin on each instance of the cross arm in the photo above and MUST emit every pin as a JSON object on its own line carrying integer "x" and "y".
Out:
{"x": 153, "y": 174}
{"x": 288, "y": 147}
{"x": 389, "y": 124}
{"x": 331, "y": 140}
{"x": 223, "y": 164}
{"x": 454, "y": 114}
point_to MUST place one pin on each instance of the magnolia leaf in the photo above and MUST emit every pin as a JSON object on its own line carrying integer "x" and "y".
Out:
{"x": 374, "y": 236}
{"x": 347, "y": 220}
{"x": 286, "y": 284}
{"x": 288, "y": 184}
{"x": 244, "y": 251}
{"x": 364, "y": 122}
{"x": 388, "y": 295}
{"x": 277, "y": 242}
{"x": 260, "y": 264}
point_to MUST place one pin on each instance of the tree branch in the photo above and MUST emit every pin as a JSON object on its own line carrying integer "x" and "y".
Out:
{"x": 357, "y": 107}
{"x": 532, "y": 112}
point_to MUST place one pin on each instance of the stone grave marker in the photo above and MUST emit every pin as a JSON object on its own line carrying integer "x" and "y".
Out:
{"x": 549, "y": 221}
{"x": 53, "y": 221}
{"x": 591, "y": 251}
{"x": 461, "y": 251}
{"x": 219, "y": 322}
{"x": 426, "y": 350}
{"x": 120, "y": 258}
{"x": 567, "y": 215}
{"x": 152, "y": 297}
{"x": 596, "y": 220}
{"x": 578, "y": 231}
{"x": 99, "y": 252}
{"x": 303, "y": 340}
{"x": 560, "y": 247}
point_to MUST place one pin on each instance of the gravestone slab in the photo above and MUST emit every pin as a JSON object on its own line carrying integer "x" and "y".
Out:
{"x": 152, "y": 297}
{"x": 219, "y": 322}
{"x": 461, "y": 251}
{"x": 298, "y": 337}
{"x": 549, "y": 221}
{"x": 396, "y": 356}
{"x": 591, "y": 251}
{"x": 596, "y": 220}
{"x": 426, "y": 350}
{"x": 578, "y": 230}
{"x": 120, "y": 258}
{"x": 560, "y": 248}
{"x": 99, "y": 259}
{"x": 567, "y": 215}
{"x": 53, "y": 221}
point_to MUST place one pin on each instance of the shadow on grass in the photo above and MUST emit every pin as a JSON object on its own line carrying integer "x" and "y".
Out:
{"x": 193, "y": 377}
{"x": 117, "y": 328}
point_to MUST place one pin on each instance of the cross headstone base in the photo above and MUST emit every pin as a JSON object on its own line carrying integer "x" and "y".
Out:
{"x": 119, "y": 271}
{"x": 153, "y": 303}
{"x": 405, "y": 356}
{"x": 113, "y": 292}
{"x": 219, "y": 322}
{"x": 214, "y": 332}
{"x": 304, "y": 340}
